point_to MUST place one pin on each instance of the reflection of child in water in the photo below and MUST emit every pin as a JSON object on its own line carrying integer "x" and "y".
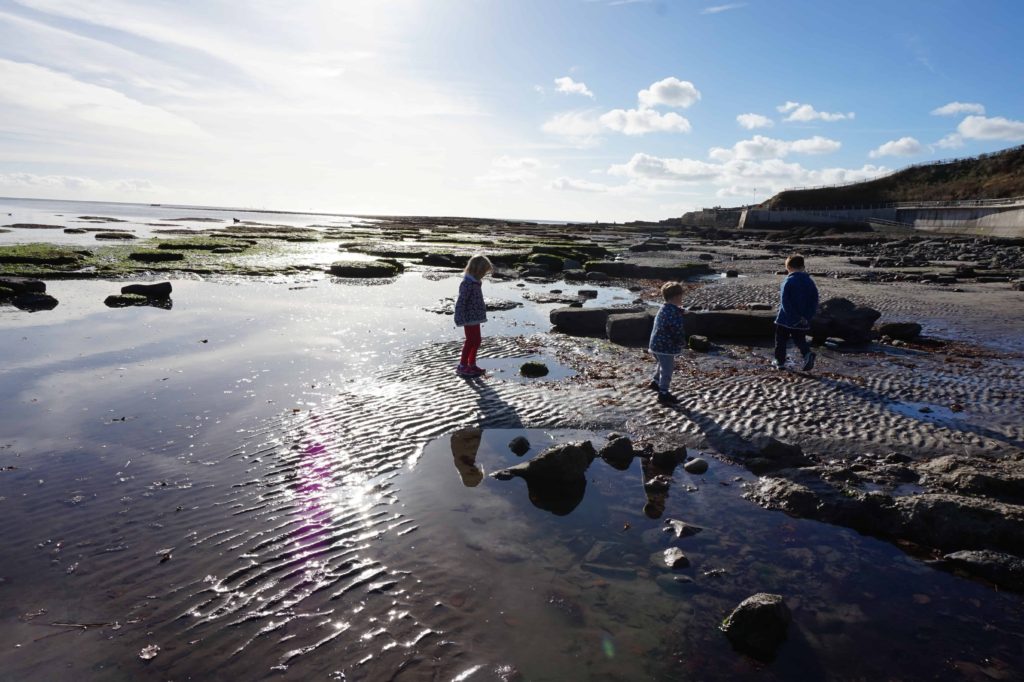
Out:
{"x": 465, "y": 443}
{"x": 657, "y": 480}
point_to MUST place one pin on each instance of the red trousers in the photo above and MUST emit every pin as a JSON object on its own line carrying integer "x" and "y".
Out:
{"x": 471, "y": 345}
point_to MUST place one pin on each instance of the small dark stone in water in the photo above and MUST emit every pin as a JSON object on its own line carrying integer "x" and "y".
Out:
{"x": 758, "y": 625}
{"x": 696, "y": 466}
{"x": 519, "y": 445}
{"x": 158, "y": 290}
{"x": 732, "y": 273}
{"x": 674, "y": 558}
{"x": 682, "y": 529}
{"x": 533, "y": 369}
{"x": 32, "y": 302}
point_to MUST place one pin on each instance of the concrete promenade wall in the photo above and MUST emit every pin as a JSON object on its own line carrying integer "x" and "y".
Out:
{"x": 997, "y": 221}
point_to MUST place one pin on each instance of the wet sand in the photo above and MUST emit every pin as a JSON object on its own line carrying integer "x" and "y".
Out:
{"x": 260, "y": 482}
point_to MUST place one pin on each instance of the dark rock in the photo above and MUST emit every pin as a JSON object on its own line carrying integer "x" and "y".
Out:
{"x": 158, "y": 290}
{"x": 114, "y": 236}
{"x": 658, "y": 483}
{"x": 586, "y": 321}
{"x": 1003, "y": 570}
{"x": 840, "y": 317}
{"x": 563, "y": 463}
{"x": 954, "y": 522}
{"x": 706, "y": 256}
{"x": 758, "y": 625}
{"x": 1002, "y": 479}
{"x": 762, "y": 454}
{"x": 75, "y": 230}
{"x": 519, "y": 445}
{"x": 367, "y": 269}
{"x": 675, "y": 558}
{"x": 20, "y": 285}
{"x": 228, "y": 249}
{"x": 33, "y": 302}
{"x": 734, "y": 324}
{"x": 618, "y": 452}
{"x": 533, "y": 369}
{"x": 546, "y": 261}
{"x": 587, "y": 293}
{"x": 125, "y": 300}
{"x": 698, "y": 343}
{"x": 648, "y": 269}
{"x": 574, "y": 275}
{"x": 696, "y": 466}
{"x": 597, "y": 277}
{"x": 444, "y": 260}
{"x": 667, "y": 456}
{"x": 732, "y": 273}
{"x": 156, "y": 256}
{"x": 905, "y": 331}
{"x": 630, "y": 329}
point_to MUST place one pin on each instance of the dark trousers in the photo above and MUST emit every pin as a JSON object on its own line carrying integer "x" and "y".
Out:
{"x": 782, "y": 337}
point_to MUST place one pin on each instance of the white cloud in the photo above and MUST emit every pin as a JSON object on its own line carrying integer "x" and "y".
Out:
{"x": 579, "y": 127}
{"x": 805, "y": 112}
{"x": 53, "y": 93}
{"x": 510, "y": 170}
{"x": 564, "y": 184}
{"x": 722, "y": 8}
{"x": 73, "y": 183}
{"x": 641, "y": 121}
{"x": 767, "y": 175}
{"x": 956, "y": 108}
{"x": 996, "y": 128}
{"x": 568, "y": 86}
{"x": 670, "y": 92}
{"x": 754, "y": 121}
{"x": 905, "y": 146}
{"x": 760, "y": 147}
{"x": 951, "y": 141}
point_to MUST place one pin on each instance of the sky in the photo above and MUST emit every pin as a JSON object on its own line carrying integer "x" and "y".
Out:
{"x": 583, "y": 110}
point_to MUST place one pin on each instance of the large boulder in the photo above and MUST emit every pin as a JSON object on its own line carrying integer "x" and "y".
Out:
{"x": 365, "y": 269}
{"x": 586, "y": 321}
{"x": 565, "y": 463}
{"x": 647, "y": 269}
{"x": 630, "y": 329}
{"x": 758, "y": 625}
{"x": 158, "y": 290}
{"x": 905, "y": 331}
{"x": 21, "y": 285}
{"x": 731, "y": 324}
{"x": 33, "y": 302}
{"x": 842, "y": 318}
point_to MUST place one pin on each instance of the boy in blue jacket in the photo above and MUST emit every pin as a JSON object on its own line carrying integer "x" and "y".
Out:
{"x": 799, "y": 303}
{"x": 667, "y": 340}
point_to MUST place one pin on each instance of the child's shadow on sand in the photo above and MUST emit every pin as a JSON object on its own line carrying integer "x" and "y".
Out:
{"x": 495, "y": 412}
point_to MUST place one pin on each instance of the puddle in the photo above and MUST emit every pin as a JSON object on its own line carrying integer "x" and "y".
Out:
{"x": 927, "y": 411}
{"x": 572, "y": 586}
{"x": 507, "y": 369}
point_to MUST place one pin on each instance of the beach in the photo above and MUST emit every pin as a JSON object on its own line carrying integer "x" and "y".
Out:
{"x": 258, "y": 476}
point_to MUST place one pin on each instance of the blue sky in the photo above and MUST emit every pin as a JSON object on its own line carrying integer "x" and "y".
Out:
{"x": 558, "y": 109}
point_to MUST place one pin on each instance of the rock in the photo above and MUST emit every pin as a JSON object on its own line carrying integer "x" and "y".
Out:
{"x": 681, "y": 529}
{"x": 533, "y": 369}
{"x": 696, "y": 466}
{"x": 762, "y": 454}
{"x": 998, "y": 479}
{"x": 732, "y": 273}
{"x": 646, "y": 269}
{"x": 1003, "y": 570}
{"x": 75, "y": 230}
{"x": 33, "y": 302}
{"x": 840, "y": 317}
{"x": 567, "y": 462}
{"x": 444, "y": 260}
{"x": 228, "y": 249}
{"x": 675, "y": 559}
{"x": 734, "y": 324}
{"x": 519, "y": 445}
{"x": 586, "y": 321}
{"x": 954, "y": 522}
{"x": 114, "y": 236}
{"x": 706, "y": 256}
{"x": 905, "y": 331}
{"x": 630, "y": 329}
{"x": 698, "y": 343}
{"x": 158, "y": 290}
{"x": 125, "y": 300}
{"x": 155, "y": 256}
{"x": 587, "y": 293}
{"x": 618, "y": 452}
{"x": 365, "y": 269}
{"x": 658, "y": 483}
{"x": 571, "y": 264}
{"x": 597, "y": 277}
{"x": 546, "y": 261}
{"x": 21, "y": 285}
{"x": 574, "y": 275}
{"x": 758, "y": 625}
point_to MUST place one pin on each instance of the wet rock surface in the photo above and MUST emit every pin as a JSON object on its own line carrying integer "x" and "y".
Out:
{"x": 759, "y": 625}
{"x": 567, "y": 463}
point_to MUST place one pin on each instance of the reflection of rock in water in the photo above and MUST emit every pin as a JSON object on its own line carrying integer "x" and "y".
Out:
{"x": 557, "y": 497}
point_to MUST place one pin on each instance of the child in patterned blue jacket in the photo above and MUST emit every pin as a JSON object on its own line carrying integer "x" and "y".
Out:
{"x": 667, "y": 340}
{"x": 471, "y": 312}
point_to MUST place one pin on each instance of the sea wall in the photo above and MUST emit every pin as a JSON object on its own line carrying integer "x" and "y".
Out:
{"x": 997, "y": 221}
